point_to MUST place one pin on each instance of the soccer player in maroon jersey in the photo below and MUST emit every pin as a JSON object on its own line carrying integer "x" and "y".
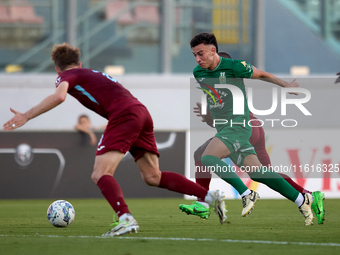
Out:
{"x": 129, "y": 128}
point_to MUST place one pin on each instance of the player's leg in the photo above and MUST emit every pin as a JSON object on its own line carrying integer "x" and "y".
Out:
{"x": 276, "y": 182}
{"x": 318, "y": 197}
{"x": 220, "y": 148}
{"x": 149, "y": 168}
{"x": 258, "y": 141}
{"x": 202, "y": 174}
{"x": 145, "y": 152}
{"x": 203, "y": 178}
{"x": 120, "y": 134}
{"x": 317, "y": 204}
{"x": 211, "y": 158}
{"x": 294, "y": 184}
{"x": 264, "y": 159}
{"x": 152, "y": 176}
{"x": 104, "y": 168}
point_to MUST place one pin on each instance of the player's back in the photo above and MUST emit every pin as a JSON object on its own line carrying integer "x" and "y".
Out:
{"x": 97, "y": 91}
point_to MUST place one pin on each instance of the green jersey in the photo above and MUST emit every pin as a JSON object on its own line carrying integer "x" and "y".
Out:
{"x": 228, "y": 71}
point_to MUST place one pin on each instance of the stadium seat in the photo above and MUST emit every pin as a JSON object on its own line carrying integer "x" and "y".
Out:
{"x": 147, "y": 14}
{"x": 113, "y": 8}
{"x": 4, "y": 15}
{"x": 142, "y": 13}
{"x": 19, "y": 25}
{"x": 24, "y": 14}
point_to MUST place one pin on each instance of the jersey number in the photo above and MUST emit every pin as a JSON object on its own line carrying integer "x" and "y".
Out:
{"x": 106, "y": 75}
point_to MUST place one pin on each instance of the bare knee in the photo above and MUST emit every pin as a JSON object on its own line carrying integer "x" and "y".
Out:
{"x": 96, "y": 176}
{"x": 152, "y": 179}
{"x": 106, "y": 164}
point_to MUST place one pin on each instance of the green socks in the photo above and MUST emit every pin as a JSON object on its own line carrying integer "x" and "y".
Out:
{"x": 275, "y": 182}
{"x": 263, "y": 175}
{"x": 224, "y": 171}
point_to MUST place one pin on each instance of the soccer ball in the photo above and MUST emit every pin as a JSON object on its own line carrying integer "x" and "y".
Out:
{"x": 60, "y": 213}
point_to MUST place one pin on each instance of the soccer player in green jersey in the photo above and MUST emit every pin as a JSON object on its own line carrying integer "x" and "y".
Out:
{"x": 233, "y": 132}
{"x": 200, "y": 208}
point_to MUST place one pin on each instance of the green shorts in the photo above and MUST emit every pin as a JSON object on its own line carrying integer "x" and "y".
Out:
{"x": 237, "y": 140}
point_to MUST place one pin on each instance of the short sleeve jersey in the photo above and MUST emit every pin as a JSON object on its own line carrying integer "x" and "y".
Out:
{"x": 228, "y": 71}
{"x": 97, "y": 91}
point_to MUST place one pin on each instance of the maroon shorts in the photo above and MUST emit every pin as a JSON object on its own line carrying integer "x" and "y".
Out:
{"x": 258, "y": 140}
{"x": 131, "y": 130}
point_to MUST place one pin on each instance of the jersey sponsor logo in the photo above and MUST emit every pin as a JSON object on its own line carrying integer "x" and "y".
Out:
{"x": 222, "y": 79}
{"x": 208, "y": 92}
{"x": 246, "y": 65}
{"x": 101, "y": 147}
{"x": 57, "y": 82}
{"x": 237, "y": 94}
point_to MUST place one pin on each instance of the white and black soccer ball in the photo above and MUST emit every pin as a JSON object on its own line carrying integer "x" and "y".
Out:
{"x": 60, "y": 213}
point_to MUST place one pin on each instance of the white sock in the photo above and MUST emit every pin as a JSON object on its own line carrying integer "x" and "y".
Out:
{"x": 204, "y": 203}
{"x": 125, "y": 216}
{"x": 247, "y": 192}
{"x": 300, "y": 199}
{"x": 208, "y": 199}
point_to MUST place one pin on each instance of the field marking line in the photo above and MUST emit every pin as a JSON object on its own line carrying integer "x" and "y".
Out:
{"x": 185, "y": 239}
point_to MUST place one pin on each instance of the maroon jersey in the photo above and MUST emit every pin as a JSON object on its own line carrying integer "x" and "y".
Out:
{"x": 97, "y": 91}
{"x": 251, "y": 115}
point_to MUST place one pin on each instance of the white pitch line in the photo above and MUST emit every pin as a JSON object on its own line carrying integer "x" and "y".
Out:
{"x": 184, "y": 239}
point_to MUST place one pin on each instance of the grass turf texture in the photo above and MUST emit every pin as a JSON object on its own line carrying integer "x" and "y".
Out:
{"x": 24, "y": 229}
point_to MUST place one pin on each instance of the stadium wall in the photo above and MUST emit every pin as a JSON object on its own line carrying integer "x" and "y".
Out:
{"x": 58, "y": 164}
{"x": 313, "y": 141}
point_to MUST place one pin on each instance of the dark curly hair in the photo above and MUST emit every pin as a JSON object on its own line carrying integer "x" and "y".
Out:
{"x": 205, "y": 38}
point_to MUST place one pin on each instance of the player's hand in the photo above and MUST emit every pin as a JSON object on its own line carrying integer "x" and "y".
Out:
{"x": 338, "y": 79}
{"x": 205, "y": 118}
{"x": 17, "y": 121}
{"x": 198, "y": 111}
{"x": 292, "y": 84}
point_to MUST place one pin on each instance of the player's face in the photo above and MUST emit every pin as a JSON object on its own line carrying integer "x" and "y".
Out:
{"x": 204, "y": 55}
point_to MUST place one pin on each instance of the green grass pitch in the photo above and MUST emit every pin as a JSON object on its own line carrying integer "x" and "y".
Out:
{"x": 274, "y": 227}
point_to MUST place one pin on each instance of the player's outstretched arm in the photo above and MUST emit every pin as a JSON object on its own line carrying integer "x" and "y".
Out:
{"x": 47, "y": 104}
{"x": 265, "y": 76}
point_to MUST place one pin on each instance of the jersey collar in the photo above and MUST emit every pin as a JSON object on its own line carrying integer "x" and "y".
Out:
{"x": 216, "y": 66}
